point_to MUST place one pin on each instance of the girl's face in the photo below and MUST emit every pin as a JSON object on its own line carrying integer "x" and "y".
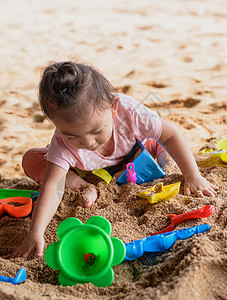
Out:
{"x": 90, "y": 133}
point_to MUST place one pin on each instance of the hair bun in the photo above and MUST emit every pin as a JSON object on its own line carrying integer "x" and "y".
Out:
{"x": 67, "y": 77}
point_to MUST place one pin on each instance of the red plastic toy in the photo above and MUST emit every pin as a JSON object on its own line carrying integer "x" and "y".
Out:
{"x": 203, "y": 212}
{"x": 16, "y": 206}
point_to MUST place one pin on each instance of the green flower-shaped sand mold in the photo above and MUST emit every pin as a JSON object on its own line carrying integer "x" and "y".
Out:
{"x": 85, "y": 252}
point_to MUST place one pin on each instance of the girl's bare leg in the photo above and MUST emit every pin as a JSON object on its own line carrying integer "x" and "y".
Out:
{"x": 34, "y": 164}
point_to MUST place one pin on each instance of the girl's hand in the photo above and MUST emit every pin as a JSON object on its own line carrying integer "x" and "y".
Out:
{"x": 199, "y": 186}
{"x": 33, "y": 243}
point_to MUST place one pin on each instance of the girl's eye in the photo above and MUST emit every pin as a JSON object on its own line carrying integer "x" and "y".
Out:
{"x": 98, "y": 131}
{"x": 72, "y": 138}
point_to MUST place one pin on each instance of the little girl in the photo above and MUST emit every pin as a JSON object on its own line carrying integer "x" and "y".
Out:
{"x": 95, "y": 128}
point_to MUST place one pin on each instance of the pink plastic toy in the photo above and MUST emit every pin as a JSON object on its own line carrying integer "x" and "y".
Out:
{"x": 131, "y": 174}
{"x": 203, "y": 212}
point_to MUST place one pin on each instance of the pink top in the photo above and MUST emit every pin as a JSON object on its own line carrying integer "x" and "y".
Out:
{"x": 132, "y": 121}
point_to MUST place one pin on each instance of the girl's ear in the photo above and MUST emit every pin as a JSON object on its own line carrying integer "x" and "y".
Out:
{"x": 114, "y": 107}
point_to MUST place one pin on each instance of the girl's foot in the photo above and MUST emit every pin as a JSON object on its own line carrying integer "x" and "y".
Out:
{"x": 88, "y": 195}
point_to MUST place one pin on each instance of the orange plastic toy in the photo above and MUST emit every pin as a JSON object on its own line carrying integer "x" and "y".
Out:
{"x": 16, "y": 206}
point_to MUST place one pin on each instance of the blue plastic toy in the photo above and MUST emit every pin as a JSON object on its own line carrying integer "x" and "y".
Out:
{"x": 161, "y": 242}
{"x": 34, "y": 195}
{"x": 146, "y": 167}
{"x": 20, "y": 277}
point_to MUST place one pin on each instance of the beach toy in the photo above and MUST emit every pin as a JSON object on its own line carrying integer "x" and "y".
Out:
{"x": 221, "y": 144}
{"x": 16, "y": 206}
{"x": 102, "y": 173}
{"x": 131, "y": 174}
{"x": 203, "y": 212}
{"x": 8, "y": 193}
{"x": 159, "y": 192}
{"x": 20, "y": 277}
{"x": 146, "y": 167}
{"x": 85, "y": 252}
{"x": 161, "y": 242}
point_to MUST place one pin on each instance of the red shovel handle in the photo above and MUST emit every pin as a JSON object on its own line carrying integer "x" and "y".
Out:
{"x": 203, "y": 212}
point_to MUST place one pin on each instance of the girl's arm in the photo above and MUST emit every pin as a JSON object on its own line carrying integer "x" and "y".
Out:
{"x": 174, "y": 143}
{"x": 45, "y": 208}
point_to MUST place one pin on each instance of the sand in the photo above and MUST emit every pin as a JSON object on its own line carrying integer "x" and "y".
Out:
{"x": 174, "y": 50}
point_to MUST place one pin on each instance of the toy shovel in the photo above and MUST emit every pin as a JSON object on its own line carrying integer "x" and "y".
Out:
{"x": 203, "y": 212}
{"x": 20, "y": 277}
{"x": 161, "y": 242}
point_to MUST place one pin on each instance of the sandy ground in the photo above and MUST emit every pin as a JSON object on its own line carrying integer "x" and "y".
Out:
{"x": 175, "y": 50}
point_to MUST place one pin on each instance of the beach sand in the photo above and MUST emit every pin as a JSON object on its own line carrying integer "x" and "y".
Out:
{"x": 172, "y": 57}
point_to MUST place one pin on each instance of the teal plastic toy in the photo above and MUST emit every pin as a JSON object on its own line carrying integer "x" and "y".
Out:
{"x": 85, "y": 252}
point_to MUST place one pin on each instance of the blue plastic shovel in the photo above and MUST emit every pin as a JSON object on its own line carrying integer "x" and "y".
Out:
{"x": 161, "y": 242}
{"x": 20, "y": 277}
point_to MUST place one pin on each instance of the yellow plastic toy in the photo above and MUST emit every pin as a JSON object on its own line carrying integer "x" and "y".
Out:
{"x": 221, "y": 145}
{"x": 159, "y": 192}
{"x": 100, "y": 173}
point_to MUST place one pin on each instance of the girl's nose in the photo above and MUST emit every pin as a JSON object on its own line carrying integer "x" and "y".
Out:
{"x": 88, "y": 142}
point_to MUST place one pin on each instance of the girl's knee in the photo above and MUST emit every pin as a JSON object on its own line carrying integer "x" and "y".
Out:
{"x": 34, "y": 163}
{"x": 153, "y": 147}
{"x": 27, "y": 158}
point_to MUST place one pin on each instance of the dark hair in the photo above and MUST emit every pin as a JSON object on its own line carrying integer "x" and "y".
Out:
{"x": 67, "y": 85}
